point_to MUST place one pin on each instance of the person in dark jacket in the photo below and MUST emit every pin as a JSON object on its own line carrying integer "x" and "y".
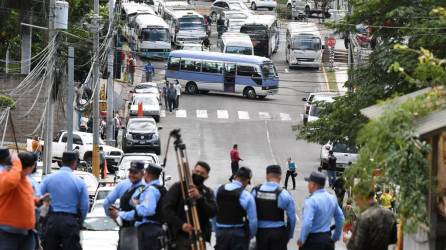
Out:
{"x": 331, "y": 168}
{"x": 171, "y": 97}
{"x": 206, "y": 206}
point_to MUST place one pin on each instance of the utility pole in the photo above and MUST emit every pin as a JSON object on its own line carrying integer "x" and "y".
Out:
{"x": 96, "y": 85}
{"x": 110, "y": 84}
{"x": 70, "y": 95}
{"x": 50, "y": 107}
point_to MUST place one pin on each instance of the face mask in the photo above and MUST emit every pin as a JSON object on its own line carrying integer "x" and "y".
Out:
{"x": 197, "y": 179}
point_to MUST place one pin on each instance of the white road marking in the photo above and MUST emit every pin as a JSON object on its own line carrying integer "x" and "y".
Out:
{"x": 243, "y": 115}
{"x": 268, "y": 139}
{"x": 181, "y": 113}
{"x": 285, "y": 117}
{"x": 264, "y": 116}
{"x": 202, "y": 113}
{"x": 222, "y": 114}
{"x": 162, "y": 113}
{"x": 286, "y": 70}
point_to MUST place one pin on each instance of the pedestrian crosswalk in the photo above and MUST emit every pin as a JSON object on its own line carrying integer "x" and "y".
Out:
{"x": 226, "y": 115}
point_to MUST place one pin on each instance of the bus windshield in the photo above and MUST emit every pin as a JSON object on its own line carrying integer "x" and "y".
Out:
{"x": 239, "y": 50}
{"x": 268, "y": 70}
{"x": 155, "y": 34}
{"x": 306, "y": 43}
{"x": 191, "y": 23}
{"x": 255, "y": 29}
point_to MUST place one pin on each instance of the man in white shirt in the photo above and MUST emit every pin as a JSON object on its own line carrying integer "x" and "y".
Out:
{"x": 178, "y": 89}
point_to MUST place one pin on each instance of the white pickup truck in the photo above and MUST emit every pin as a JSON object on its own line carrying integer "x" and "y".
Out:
{"x": 84, "y": 141}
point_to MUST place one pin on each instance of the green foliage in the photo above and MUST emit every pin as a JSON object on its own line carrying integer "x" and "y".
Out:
{"x": 6, "y": 101}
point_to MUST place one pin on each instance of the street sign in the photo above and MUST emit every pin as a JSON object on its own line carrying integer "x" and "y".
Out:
{"x": 331, "y": 42}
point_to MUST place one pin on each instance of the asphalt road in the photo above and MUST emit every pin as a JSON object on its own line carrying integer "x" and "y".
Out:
{"x": 211, "y": 123}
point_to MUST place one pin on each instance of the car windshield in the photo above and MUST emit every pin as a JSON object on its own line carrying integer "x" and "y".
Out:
{"x": 254, "y": 29}
{"x": 145, "y": 100}
{"x": 344, "y": 148}
{"x": 237, "y": 6}
{"x": 142, "y": 125}
{"x": 192, "y": 47}
{"x": 268, "y": 70}
{"x": 100, "y": 224}
{"x": 191, "y": 23}
{"x": 147, "y": 88}
{"x": 239, "y": 50}
{"x": 125, "y": 162}
{"x": 102, "y": 194}
{"x": 315, "y": 110}
{"x": 235, "y": 16}
{"x": 155, "y": 34}
{"x": 306, "y": 43}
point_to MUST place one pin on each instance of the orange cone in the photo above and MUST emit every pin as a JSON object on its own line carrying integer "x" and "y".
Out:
{"x": 140, "y": 110}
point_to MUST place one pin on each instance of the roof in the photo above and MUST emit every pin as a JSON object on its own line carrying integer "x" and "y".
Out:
{"x": 179, "y": 4}
{"x": 303, "y": 28}
{"x": 235, "y": 37}
{"x": 379, "y": 109}
{"x": 142, "y": 119}
{"x": 318, "y": 98}
{"x": 266, "y": 20}
{"x": 182, "y": 12}
{"x": 431, "y": 124}
{"x": 132, "y": 8}
{"x": 145, "y": 21}
{"x": 219, "y": 56}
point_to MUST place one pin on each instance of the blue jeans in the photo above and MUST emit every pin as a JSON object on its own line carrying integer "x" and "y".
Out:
{"x": 331, "y": 177}
{"x": 10, "y": 241}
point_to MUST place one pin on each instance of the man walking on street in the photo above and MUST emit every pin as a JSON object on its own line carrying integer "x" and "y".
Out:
{"x": 150, "y": 71}
{"x": 235, "y": 158}
{"x": 102, "y": 162}
{"x": 291, "y": 172}
{"x": 69, "y": 205}
{"x": 272, "y": 203}
{"x": 236, "y": 220}
{"x": 131, "y": 66}
{"x": 376, "y": 227}
{"x": 206, "y": 206}
{"x": 164, "y": 94}
{"x": 17, "y": 215}
{"x": 147, "y": 211}
{"x": 124, "y": 191}
{"x": 331, "y": 169}
{"x": 319, "y": 210}
{"x": 118, "y": 125}
{"x": 171, "y": 97}
{"x": 178, "y": 90}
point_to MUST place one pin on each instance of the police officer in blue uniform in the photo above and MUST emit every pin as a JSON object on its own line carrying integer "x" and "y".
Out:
{"x": 236, "y": 220}
{"x": 69, "y": 205}
{"x": 147, "y": 211}
{"x": 319, "y": 210}
{"x": 124, "y": 191}
{"x": 272, "y": 203}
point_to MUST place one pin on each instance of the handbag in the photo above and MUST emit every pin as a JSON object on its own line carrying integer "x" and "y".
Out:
{"x": 294, "y": 174}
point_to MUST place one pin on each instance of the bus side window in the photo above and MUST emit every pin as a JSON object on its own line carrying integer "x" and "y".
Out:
{"x": 245, "y": 70}
{"x": 174, "y": 63}
{"x": 190, "y": 65}
{"x": 212, "y": 67}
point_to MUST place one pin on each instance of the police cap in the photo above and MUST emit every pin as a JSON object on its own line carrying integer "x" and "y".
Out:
{"x": 154, "y": 169}
{"x": 4, "y": 154}
{"x": 28, "y": 159}
{"x": 244, "y": 172}
{"x": 316, "y": 177}
{"x": 273, "y": 169}
{"x": 137, "y": 166}
{"x": 69, "y": 156}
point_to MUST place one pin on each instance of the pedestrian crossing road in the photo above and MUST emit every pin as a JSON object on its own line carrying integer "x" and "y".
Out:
{"x": 226, "y": 115}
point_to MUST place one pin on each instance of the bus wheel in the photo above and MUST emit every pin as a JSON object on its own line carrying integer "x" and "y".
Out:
{"x": 250, "y": 93}
{"x": 191, "y": 88}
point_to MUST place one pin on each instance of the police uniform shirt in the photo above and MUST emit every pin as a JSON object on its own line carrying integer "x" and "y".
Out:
{"x": 68, "y": 192}
{"x": 317, "y": 214}
{"x": 248, "y": 204}
{"x": 285, "y": 202}
{"x": 148, "y": 200}
{"x": 118, "y": 192}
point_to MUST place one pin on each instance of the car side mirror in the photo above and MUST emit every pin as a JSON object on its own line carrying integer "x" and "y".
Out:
{"x": 160, "y": 128}
{"x": 304, "y": 99}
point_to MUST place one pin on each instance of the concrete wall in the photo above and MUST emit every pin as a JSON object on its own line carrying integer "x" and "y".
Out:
{"x": 24, "y": 126}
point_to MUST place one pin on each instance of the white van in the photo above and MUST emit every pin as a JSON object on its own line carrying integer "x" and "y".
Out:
{"x": 186, "y": 26}
{"x": 303, "y": 45}
{"x": 236, "y": 43}
{"x": 317, "y": 106}
{"x": 152, "y": 36}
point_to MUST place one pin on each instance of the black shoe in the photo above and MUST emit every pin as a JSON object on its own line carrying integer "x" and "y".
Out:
{"x": 294, "y": 188}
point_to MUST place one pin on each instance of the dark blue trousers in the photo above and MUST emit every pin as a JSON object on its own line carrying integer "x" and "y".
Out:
{"x": 11, "y": 241}
{"x": 149, "y": 236}
{"x": 318, "y": 241}
{"x": 232, "y": 239}
{"x": 62, "y": 232}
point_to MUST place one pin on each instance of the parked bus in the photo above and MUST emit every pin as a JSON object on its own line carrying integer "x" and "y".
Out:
{"x": 129, "y": 11}
{"x": 196, "y": 71}
{"x": 264, "y": 33}
{"x": 152, "y": 36}
{"x": 236, "y": 43}
{"x": 186, "y": 26}
{"x": 303, "y": 45}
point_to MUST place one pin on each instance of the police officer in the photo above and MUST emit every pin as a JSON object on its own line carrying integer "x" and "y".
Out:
{"x": 317, "y": 214}
{"x": 236, "y": 210}
{"x": 69, "y": 205}
{"x": 147, "y": 211}
{"x": 272, "y": 203}
{"x": 124, "y": 191}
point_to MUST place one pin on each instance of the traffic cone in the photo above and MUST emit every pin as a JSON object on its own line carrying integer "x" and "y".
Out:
{"x": 140, "y": 110}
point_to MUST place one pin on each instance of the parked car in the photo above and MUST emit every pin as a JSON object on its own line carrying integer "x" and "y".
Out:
{"x": 150, "y": 106}
{"x": 99, "y": 232}
{"x": 141, "y": 134}
{"x": 344, "y": 154}
{"x": 84, "y": 142}
{"x": 308, "y": 7}
{"x": 219, "y": 6}
{"x": 91, "y": 182}
{"x": 313, "y": 97}
{"x": 127, "y": 159}
{"x": 270, "y": 4}
{"x": 101, "y": 193}
{"x": 147, "y": 88}
{"x": 192, "y": 46}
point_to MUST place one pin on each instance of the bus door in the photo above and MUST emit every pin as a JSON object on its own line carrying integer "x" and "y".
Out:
{"x": 229, "y": 77}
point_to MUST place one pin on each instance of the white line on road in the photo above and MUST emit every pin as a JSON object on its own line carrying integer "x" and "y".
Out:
{"x": 181, "y": 113}
{"x": 264, "y": 116}
{"x": 202, "y": 113}
{"x": 222, "y": 114}
{"x": 162, "y": 113}
{"x": 285, "y": 117}
{"x": 269, "y": 143}
{"x": 243, "y": 115}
